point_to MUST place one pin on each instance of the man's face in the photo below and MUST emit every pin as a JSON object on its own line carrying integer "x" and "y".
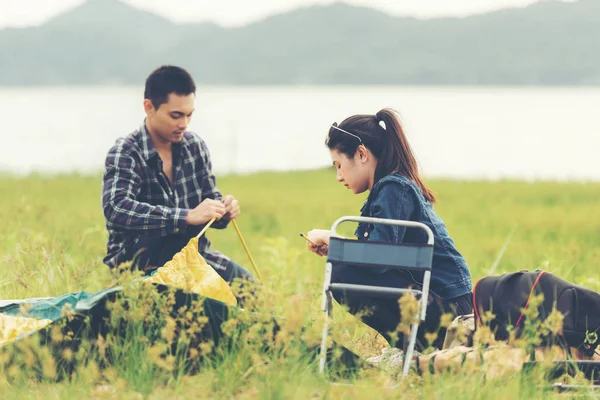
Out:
{"x": 171, "y": 119}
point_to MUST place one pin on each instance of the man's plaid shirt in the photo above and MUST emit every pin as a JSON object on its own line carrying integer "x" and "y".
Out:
{"x": 138, "y": 198}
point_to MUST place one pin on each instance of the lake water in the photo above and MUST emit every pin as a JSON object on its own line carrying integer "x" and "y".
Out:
{"x": 465, "y": 133}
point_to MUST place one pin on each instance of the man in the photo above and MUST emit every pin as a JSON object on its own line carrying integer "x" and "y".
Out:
{"x": 158, "y": 186}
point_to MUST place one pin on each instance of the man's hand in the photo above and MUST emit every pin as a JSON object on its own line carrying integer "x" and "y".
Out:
{"x": 320, "y": 238}
{"x": 205, "y": 211}
{"x": 232, "y": 207}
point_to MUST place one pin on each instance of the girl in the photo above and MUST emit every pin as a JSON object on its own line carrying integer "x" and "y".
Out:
{"x": 371, "y": 152}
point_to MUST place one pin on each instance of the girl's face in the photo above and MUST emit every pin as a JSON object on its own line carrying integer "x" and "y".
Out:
{"x": 356, "y": 173}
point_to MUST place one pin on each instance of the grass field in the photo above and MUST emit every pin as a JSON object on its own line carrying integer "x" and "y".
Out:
{"x": 52, "y": 240}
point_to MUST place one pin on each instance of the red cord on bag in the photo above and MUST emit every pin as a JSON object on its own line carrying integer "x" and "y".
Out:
{"x": 529, "y": 298}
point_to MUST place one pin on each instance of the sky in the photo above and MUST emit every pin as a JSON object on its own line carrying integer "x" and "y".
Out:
{"x": 18, "y": 13}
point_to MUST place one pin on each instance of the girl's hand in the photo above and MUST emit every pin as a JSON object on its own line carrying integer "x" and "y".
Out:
{"x": 320, "y": 238}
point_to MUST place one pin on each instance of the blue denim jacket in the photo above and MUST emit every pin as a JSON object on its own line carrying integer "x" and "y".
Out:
{"x": 396, "y": 197}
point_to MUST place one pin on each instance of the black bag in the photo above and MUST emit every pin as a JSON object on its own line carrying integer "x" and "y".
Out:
{"x": 506, "y": 295}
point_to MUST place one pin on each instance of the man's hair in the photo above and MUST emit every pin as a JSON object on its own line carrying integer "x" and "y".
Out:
{"x": 166, "y": 80}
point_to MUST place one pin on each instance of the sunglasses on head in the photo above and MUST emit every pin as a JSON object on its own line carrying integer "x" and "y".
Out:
{"x": 334, "y": 126}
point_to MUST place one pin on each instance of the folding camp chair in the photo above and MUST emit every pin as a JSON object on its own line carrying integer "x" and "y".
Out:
{"x": 415, "y": 257}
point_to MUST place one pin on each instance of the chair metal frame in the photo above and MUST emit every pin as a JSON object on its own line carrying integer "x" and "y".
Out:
{"x": 377, "y": 255}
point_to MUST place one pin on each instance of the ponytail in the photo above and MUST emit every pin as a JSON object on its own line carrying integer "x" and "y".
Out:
{"x": 383, "y": 134}
{"x": 397, "y": 156}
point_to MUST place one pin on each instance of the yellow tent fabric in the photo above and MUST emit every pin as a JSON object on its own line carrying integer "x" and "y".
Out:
{"x": 12, "y": 327}
{"x": 188, "y": 271}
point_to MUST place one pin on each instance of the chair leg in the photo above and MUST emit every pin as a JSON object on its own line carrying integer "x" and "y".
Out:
{"x": 326, "y": 283}
{"x": 323, "y": 352}
{"x": 326, "y": 305}
{"x": 410, "y": 350}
